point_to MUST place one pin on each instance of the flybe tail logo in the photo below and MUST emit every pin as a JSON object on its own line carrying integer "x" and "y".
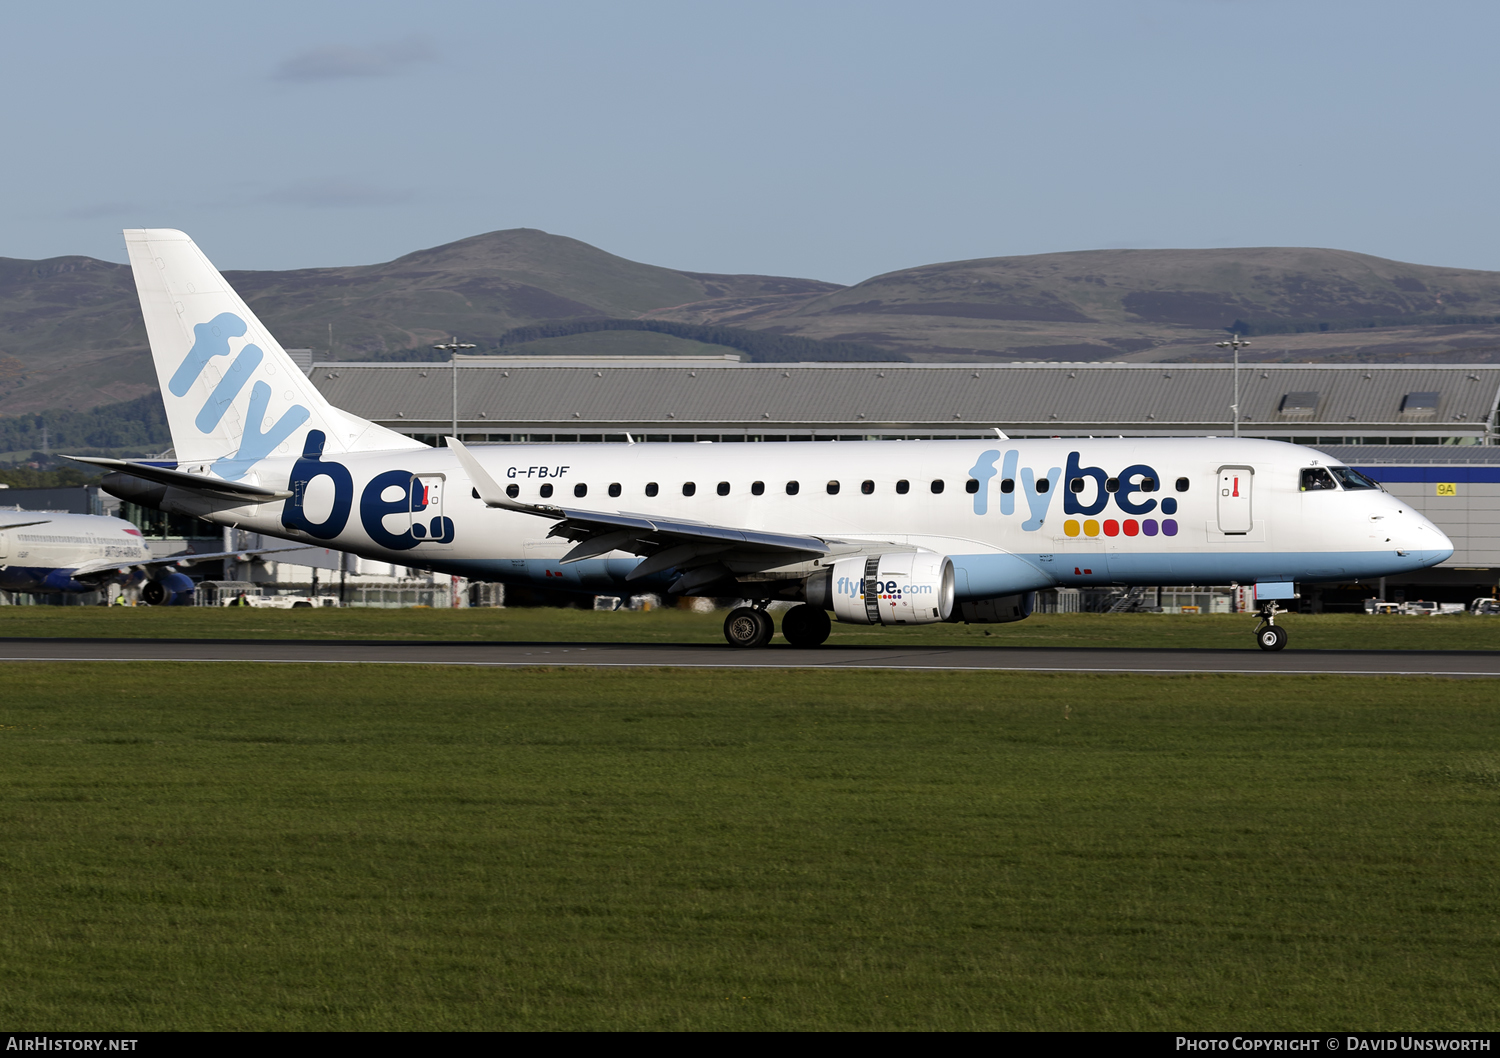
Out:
{"x": 1085, "y": 491}
{"x": 211, "y": 340}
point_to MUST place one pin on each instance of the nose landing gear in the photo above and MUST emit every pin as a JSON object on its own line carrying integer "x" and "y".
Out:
{"x": 1270, "y": 635}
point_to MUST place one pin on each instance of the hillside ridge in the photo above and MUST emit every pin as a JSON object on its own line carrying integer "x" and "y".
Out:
{"x": 71, "y": 333}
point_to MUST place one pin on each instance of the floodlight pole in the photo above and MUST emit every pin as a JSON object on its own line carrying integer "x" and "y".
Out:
{"x": 1236, "y": 343}
{"x": 452, "y": 346}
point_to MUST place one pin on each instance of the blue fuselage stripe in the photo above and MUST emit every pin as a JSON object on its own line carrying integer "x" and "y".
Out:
{"x": 989, "y": 576}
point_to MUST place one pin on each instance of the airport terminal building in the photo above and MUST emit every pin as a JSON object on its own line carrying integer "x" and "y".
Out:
{"x": 506, "y": 399}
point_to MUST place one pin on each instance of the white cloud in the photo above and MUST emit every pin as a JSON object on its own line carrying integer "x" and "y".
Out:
{"x": 335, "y": 193}
{"x": 377, "y": 60}
{"x": 98, "y": 210}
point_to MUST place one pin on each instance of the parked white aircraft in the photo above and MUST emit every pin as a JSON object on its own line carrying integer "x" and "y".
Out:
{"x": 894, "y": 532}
{"x": 48, "y": 554}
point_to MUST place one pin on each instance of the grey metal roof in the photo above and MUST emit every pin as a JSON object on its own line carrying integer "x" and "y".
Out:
{"x": 1414, "y": 455}
{"x": 505, "y": 393}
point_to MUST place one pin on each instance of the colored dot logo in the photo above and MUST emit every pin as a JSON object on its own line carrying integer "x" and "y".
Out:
{"x": 1130, "y": 527}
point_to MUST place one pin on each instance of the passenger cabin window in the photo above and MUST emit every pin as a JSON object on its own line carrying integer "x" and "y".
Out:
{"x": 792, "y": 488}
{"x": 614, "y": 488}
{"x": 1148, "y": 485}
{"x": 1008, "y": 485}
{"x": 903, "y": 487}
{"x": 937, "y": 486}
{"x": 1316, "y": 479}
{"x": 971, "y": 486}
{"x": 580, "y": 490}
{"x": 833, "y": 488}
{"x": 513, "y": 491}
{"x": 689, "y": 487}
{"x": 1110, "y": 485}
{"x": 723, "y": 488}
{"x": 758, "y": 488}
{"x": 652, "y": 488}
{"x": 1043, "y": 484}
{"x": 1076, "y": 484}
{"x": 547, "y": 491}
{"x": 867, "y": 487}
{"x": 1182, "y": 484}
{"x": 1352, "y": 479}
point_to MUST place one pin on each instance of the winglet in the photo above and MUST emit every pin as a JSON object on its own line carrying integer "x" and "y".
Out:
{"x": 489, "y": 489}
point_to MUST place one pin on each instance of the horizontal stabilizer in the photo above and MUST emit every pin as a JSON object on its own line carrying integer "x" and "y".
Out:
{"x": 181, "y": 559}
{"x": 199, "y": 483}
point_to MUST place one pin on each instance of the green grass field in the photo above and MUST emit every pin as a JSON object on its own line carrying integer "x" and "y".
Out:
{"x": 1232, "y": 631}
{"x": 290, "y": 847}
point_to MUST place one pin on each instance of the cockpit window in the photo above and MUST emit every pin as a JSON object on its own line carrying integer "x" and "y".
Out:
{"x": 1352, "y": 479}
{"x": 1316, "y": 479}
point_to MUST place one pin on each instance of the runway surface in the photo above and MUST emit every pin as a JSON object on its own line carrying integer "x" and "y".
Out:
{"x": 611, "y": 655}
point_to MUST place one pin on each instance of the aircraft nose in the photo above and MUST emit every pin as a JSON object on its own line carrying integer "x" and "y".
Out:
{"x": 1443, "y": 543}
{"x": 1426, "y": 540}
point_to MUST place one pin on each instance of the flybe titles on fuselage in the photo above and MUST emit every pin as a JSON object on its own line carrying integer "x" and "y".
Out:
{"x": 1129, "y": 490}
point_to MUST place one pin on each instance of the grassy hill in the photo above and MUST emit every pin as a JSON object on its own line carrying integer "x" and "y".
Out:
{"x": 1148, "y": 304}
{"x": 479, "y": 288}
{"x": 71, "y": 336}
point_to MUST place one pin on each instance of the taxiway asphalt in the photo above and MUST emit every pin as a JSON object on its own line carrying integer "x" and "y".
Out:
{"x": 637, "y": 655}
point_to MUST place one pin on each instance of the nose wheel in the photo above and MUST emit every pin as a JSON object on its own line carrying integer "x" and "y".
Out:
{"x": 1270, "y": 635}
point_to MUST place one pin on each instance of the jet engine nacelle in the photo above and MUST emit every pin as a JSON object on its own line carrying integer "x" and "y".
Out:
{"x": 1000, "y": 610}
{"x": 902, "y": 588}
{"x": 168, "y": 589}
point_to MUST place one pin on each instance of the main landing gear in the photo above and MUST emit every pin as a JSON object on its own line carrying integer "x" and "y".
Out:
{"x": 751, "y": 626}
{"x": 748, "y": 627}
{"x": 1270, "y": 635}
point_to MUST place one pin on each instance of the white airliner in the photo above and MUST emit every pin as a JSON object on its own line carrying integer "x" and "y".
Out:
{"x": 50, "y": 554}
{"x": 887, "y": 532}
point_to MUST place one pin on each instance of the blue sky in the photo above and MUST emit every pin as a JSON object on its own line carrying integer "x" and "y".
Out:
{"x": 829, "y": 140}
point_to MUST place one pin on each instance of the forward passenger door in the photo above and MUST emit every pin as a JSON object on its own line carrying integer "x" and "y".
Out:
{"x": 1234, "y": 499}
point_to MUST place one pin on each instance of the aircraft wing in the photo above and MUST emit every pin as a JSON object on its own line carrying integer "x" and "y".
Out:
{"x": 181, "y": 559}
{"x": 703, "y": 553}
{"x": 200, "y": 483}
